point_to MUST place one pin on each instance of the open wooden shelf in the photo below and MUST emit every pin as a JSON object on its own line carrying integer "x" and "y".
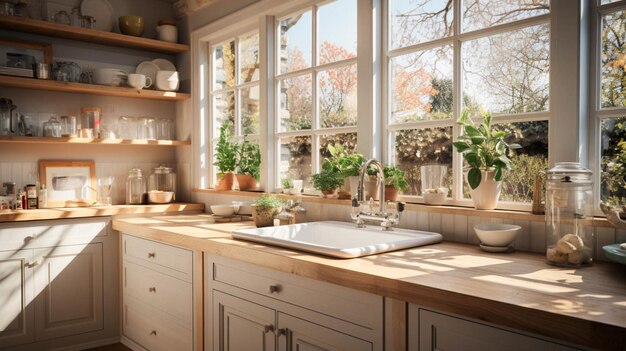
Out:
{"x": 46, "y": 140}
{"x": 89, "y": 35}
{"x": 67, "y": 87}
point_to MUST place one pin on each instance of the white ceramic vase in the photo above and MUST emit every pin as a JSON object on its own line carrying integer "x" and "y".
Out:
{"x": 486, "y": 195}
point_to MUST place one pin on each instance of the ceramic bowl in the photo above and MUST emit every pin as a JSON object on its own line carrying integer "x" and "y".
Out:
{"x": 160, "y": 197}
{"x": 223, "y": 210}
{"x": 495, "y": 234}
{"x": 131, "y": 25}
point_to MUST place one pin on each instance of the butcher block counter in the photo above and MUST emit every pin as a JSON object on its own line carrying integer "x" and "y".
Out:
{"x": 585, "y": 306}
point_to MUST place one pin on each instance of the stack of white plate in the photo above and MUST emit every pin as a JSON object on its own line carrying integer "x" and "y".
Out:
{"x": 162, "y": 73}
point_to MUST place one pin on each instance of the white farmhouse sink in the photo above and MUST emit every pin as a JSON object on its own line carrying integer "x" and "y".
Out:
{"x": 338, "y": 239}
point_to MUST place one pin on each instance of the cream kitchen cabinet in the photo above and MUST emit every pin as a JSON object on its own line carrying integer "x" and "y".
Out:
{"x": 255, "y": 308}
{"x": 59, "y": 281}
{"x": 430, "y": 330}
{"x": 158, "y": 296}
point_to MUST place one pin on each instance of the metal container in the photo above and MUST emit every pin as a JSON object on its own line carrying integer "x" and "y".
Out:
{"x": 569, "y": 215}
{"x": 135, "y": 187}
{"x": 43, "y": 70}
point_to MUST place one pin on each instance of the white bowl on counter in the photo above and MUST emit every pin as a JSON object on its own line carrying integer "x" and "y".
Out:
{"x": 223, "y": 210}
{"x": 160, "y": 197}
{"x": 496, "y": 234}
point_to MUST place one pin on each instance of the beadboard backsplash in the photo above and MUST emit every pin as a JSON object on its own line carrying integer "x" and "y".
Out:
{"x": 453, "y": 227}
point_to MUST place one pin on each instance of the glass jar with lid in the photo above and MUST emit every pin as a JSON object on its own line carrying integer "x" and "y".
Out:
{"x": 569, "y": 215}
{"x": 135, "y": 187}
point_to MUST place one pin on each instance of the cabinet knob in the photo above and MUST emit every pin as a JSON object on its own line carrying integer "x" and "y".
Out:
{"x": 281, "y": 332}
{"x": 153, "y": 332}
{"x": 268, "y": 328}
{"x": 152, "y": 289}
{"x": 151, "y": 255}
{"x": 31, "y": 264}
{"x": 275, "y": 288}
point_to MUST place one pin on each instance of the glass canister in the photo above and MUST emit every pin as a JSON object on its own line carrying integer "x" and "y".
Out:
{"x": 569, "y": 215}
{"x": 163, "y": 179}
{"x": 135, "y": 187}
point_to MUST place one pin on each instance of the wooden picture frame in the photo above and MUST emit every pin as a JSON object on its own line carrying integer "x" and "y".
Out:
{"x": 69, "y": 183}
{"x": 25, "y": 44}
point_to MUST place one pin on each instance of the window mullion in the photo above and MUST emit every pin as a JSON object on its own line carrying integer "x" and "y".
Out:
{"x": 457, "y": 76}
{"x": 237, "y": 112}
{"x": 315, "y": 118}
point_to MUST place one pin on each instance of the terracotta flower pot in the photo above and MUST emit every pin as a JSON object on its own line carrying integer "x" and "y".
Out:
{"x": 226, "y": 181}
{"x": 246, "y": 181}
{"x": 391, "y": 193}
{"x": 263, "y": 217}
{"x": 328, "y": 193}
{"x": 486, "y": 195}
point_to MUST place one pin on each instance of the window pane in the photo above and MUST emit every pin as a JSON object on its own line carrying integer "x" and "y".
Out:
{"x": 479, "y": 14}
{"x": 295, "y": 158}
{"x": 347, "y": 140}
{"x": 336, "y": 31}
{"x": 417, "y": 147}
{"x": 422, "y": 85}
{"x": 613, "y": 163}
{"x": 527, "y": 162}
{"x": 250, "y": 110}
{"x": 613, "y": 93}
{"x": 295, "y": 42}
{"x": 296, "y": 103}
{"x": 338, "y": 98}
{"x": 224, "y": 63}
{"x": 509, "y": 72}
{"x": 249, "y": 58}
{"x": 417, "y": 21}
{"x": 223, "y": 110}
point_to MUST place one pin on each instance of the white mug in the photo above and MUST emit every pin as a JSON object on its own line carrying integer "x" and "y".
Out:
{"x": 139, "y": 81}
{"x": 167, "y": 32}
{"x": 167, "y": 80}
{"x": 108, "y": 76}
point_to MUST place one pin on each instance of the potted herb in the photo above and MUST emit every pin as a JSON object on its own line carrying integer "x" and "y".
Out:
{"x": 327, "y": 181}
{"x": 248, "y": 164}
{"x": 486, "y": 154}
{"x": 225, "y": 158}
{"x": 394, "y": 182}
{"x": 264, "y": 209}
{"x": 287, "y": 184}
{"x": 348, "y": 166}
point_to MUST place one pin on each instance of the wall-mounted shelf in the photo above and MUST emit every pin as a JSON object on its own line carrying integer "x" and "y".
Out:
{"x": 67, "y": 87}
{"x": 46, "y": 140}
{"x": 89, "y": 35}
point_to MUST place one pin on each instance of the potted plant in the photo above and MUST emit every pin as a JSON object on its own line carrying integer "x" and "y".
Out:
{"x": 327, "y": 181}
{"x": 264, "y": 209}
{"x": 486, "y": 154}
{"x": 347, "y": 165}
{"x": 248, "y": 164}
{"x": 225, "y": 159}
{"x": 394, "y": 181}
{"x": 287, "y": 184}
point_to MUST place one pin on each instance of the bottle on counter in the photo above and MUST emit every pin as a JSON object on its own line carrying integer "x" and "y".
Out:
{"x": 31, "y": 196}
{"x": 42, "y": 197}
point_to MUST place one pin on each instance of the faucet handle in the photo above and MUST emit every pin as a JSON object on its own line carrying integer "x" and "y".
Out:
{"x": 400, "y": 206}
{"x": 355, "y": 202}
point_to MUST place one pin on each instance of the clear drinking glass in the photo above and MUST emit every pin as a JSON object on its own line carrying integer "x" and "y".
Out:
{"x": 105, "y": 189}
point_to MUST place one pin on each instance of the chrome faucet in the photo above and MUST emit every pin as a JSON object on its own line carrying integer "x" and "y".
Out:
{"x": 387, "y": 220}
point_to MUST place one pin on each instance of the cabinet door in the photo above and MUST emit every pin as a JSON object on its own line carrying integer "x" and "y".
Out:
{"x": 68, "y": 285}
{"x": 240, "y": 325}
{"x": 301, "y": 335}
{"x": 16, "y": 294}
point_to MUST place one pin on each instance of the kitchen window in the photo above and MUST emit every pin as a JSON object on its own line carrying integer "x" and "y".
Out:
{"x": 443, "y": 57}
{"x": 315, "y": 86}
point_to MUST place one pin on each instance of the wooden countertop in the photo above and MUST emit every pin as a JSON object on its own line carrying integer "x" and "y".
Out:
{"x": 79, "y": 212}
{"x": 584, "y": 306}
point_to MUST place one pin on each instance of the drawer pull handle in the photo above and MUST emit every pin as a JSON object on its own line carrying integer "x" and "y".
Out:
{"x": 275, "y": 288}
{"x": 153, "y": 332}
{"x": 31, "y": 264}
{"x": 268, "y": 328}
{"x": 151, "y": 255}
{"x": 29, "y": 238}
{"x": 152, "y": 289}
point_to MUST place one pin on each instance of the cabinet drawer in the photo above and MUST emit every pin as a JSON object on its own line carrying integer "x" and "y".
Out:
{"x": 154, "y": 330}
{"x": 161, "y": 291}
{"x": 354, "y": 306}
{"x": 35, "y": 234}
{"x": 176, "y": 261}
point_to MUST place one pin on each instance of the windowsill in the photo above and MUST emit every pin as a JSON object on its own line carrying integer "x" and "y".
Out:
{"x": 452, "y": 210}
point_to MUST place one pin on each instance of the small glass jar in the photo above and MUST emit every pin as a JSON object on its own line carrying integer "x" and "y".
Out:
{"x": 62, "y": 17}
{"x": 76, "y": 19}
{"x": 569, "y": 215}
{"x": 135, "y": 187}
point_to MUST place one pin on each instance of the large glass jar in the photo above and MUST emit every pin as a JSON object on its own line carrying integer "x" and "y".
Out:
{"x": 569, "y": 215}
{"x": 135, "y": 187}
{"x": 163, "y": 179}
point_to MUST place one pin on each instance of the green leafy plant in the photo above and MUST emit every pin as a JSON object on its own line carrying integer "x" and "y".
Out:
{"x": 327, "y": 180}
{"x": 249, "y": 158}
{"x": 345, "y": 163}
{"x": 482, "y": 148}
{"x": 226, "y": 151}
{"x": 287, "y": 183}
{"x": 268, "y": 203}
{"x": 395, "y": 177}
